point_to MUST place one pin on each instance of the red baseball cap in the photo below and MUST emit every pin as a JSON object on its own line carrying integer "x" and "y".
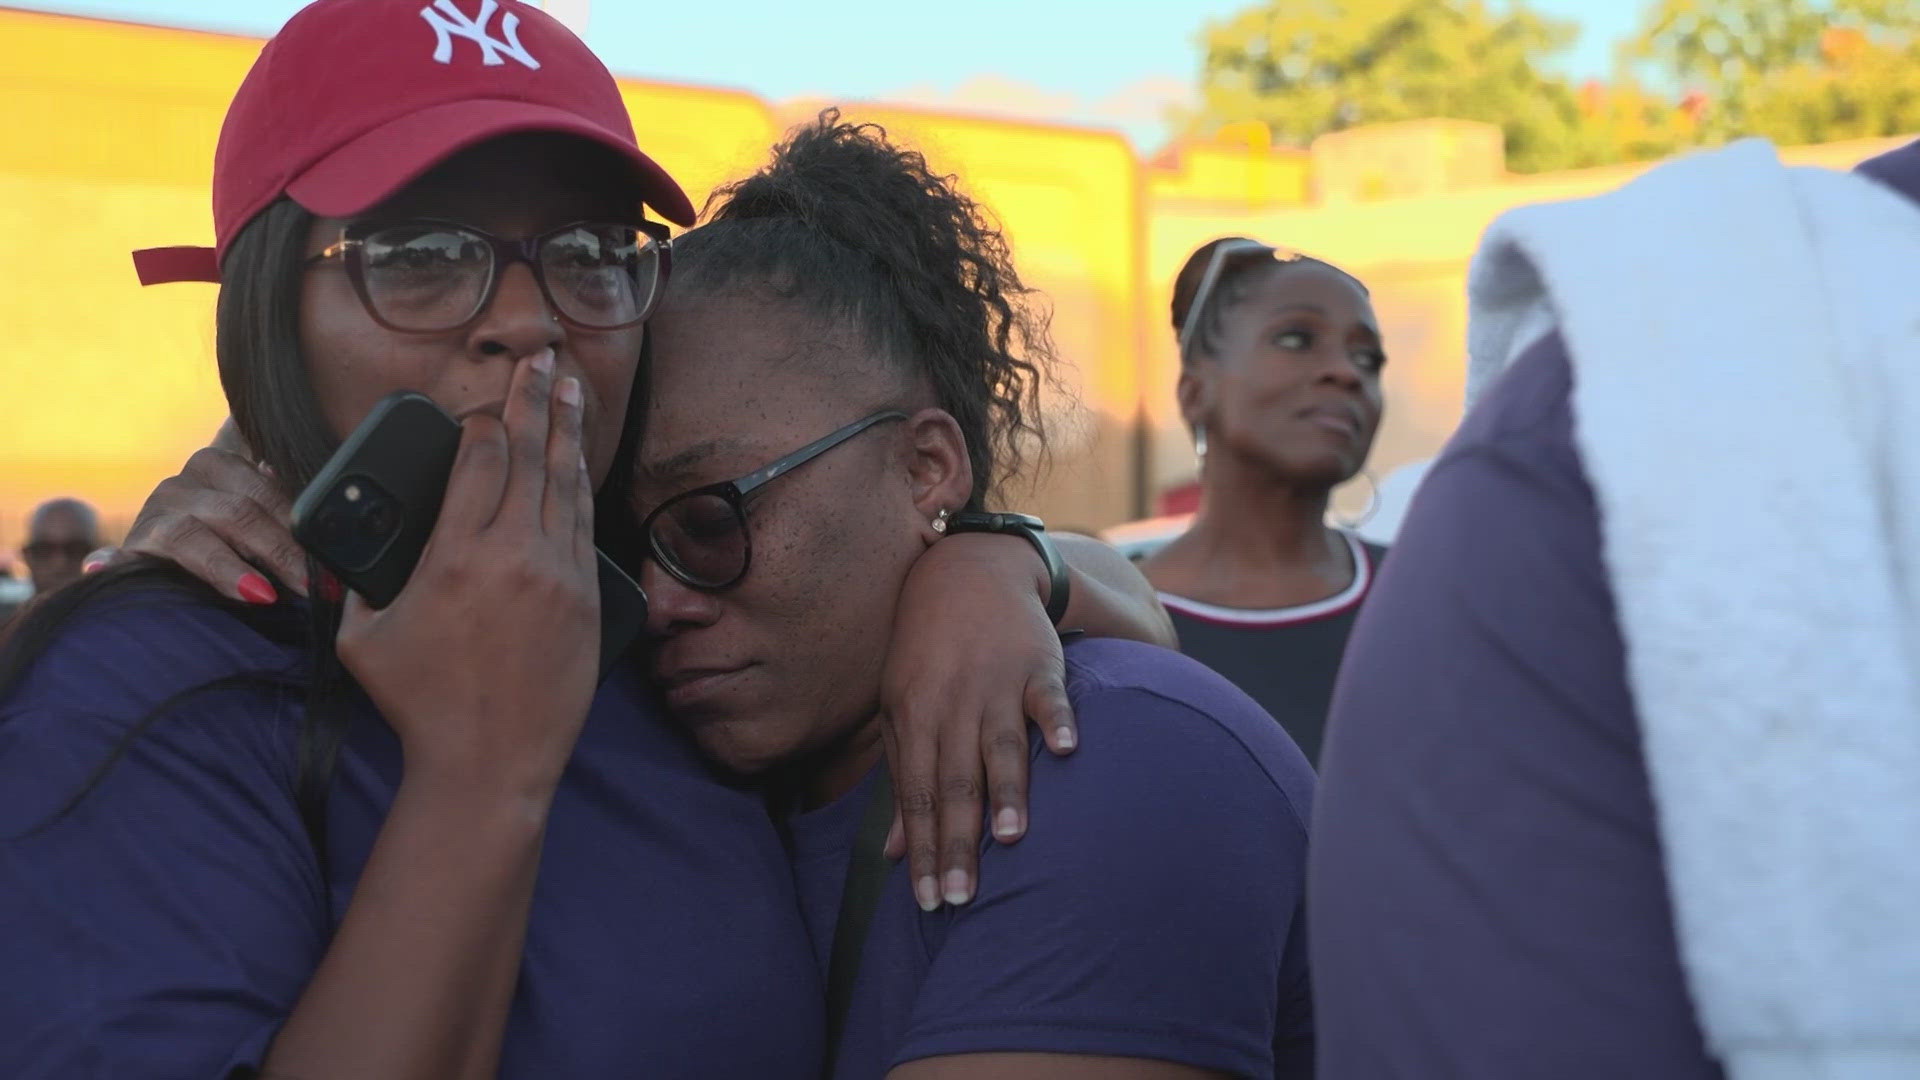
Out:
{"x": 354, "y": 99}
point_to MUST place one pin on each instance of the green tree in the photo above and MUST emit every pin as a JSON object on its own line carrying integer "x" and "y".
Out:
{"x": 1794, "y": 71}
{"x": 1307, "y": 67}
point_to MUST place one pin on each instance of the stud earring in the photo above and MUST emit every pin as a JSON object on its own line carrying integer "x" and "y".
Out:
{"x": 940, "y": 522}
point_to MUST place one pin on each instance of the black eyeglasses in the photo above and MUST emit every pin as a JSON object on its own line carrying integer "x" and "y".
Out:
{"x": 700, "y": 536}
{"x": 432, "y": 276}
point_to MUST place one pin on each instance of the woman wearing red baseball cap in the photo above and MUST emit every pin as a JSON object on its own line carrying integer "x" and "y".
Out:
{"x": 312, "y": 839}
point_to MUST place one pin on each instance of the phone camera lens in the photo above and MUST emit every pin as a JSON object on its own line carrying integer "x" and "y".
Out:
{"x": 381, "y": 518}
{"x": 356, "y": 523}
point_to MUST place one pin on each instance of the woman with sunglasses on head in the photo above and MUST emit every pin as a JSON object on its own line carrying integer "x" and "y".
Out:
{"x": 1280, "y": 361}
{"x": 846, "y": 367}
{"x": 312, "y": 839}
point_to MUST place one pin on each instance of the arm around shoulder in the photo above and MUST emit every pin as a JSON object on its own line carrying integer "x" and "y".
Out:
{"x": 1110, "y": 597}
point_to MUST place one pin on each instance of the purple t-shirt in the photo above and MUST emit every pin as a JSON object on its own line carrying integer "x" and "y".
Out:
{"x": 167, "y": 925}
{"x": 1152, "y": 911}
{"x": 1488, "y": 899}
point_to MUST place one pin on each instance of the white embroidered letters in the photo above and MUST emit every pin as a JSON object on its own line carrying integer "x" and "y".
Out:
{"x": 450, "y": 22}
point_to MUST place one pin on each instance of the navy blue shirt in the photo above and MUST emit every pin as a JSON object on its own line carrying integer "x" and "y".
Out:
{"x": 1284, "y": 658}
{"x": 1488, "y": 899}
{"x": 168, "y": 923}
{"x": 1153, "y": 910}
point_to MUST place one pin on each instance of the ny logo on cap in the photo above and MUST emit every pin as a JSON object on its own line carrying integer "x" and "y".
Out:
{"x": 450, "y": 22}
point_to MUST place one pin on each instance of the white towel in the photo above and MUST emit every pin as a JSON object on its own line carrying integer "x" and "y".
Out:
{"x": 1745, "y": 343}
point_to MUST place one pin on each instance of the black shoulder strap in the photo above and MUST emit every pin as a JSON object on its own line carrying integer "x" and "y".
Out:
{"x": 867, "y": 872}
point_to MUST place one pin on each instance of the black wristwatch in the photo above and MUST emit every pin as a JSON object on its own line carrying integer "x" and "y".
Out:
{"x": 1035, "y": 532}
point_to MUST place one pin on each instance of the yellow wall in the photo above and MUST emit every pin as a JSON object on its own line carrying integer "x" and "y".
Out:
{"x": 1236, "y": 176}
{"x": 110, "y": 386}
{"x": 105, "y": 381}
{"x": 1415, "y": 157}
{"x": 702, "y": 137}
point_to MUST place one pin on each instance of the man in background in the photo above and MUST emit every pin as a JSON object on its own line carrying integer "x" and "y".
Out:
{"x": 60, "y": 535}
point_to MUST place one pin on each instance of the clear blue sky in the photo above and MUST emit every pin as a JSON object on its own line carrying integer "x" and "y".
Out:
{"x": 1094, "y": 61}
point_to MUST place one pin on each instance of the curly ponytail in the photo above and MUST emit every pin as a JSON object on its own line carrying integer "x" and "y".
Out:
{"x": 861, "y": 230}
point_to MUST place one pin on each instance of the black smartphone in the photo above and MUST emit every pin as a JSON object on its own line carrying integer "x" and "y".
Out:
{"x": 368, "y": 514}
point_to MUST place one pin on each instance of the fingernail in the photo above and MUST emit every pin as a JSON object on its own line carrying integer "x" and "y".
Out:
{"x": 330, "y": 590}
{"x": 1063, "y": 736}
{"x": 569, "y": 391}
{"x": 543, "y": 361}
{"x": 265, "y": 469}
{"x": 1006, "y": 823}
{"x": 255, "y": 589}
{"x": 959, "y": 889}
{"x": 927, "y": 892}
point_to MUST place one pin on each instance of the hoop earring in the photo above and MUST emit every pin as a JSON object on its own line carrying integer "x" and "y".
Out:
{"x": 940, "y": 521}
{"x": 1352, "y": 523}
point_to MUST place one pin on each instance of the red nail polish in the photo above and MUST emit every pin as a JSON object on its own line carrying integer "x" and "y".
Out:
{"x": 255, "y": 589}
{"x": 329, "y": 588}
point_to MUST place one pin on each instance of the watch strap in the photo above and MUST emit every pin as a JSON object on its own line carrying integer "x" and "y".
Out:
{"x": 1034, "y": 531}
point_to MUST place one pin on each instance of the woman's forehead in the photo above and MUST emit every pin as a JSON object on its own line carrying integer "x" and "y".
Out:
{"x": 751, "y": 346}
{"x": 1310, "y": 284}
{"x": 729, "y": 364}
{"x": 739, "y": 379}
{"x": 664, "y": 464}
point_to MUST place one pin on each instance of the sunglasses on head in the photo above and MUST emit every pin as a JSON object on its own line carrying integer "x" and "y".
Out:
{"x": 701, "y": 536}
{"x": 1242, "y": 249}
